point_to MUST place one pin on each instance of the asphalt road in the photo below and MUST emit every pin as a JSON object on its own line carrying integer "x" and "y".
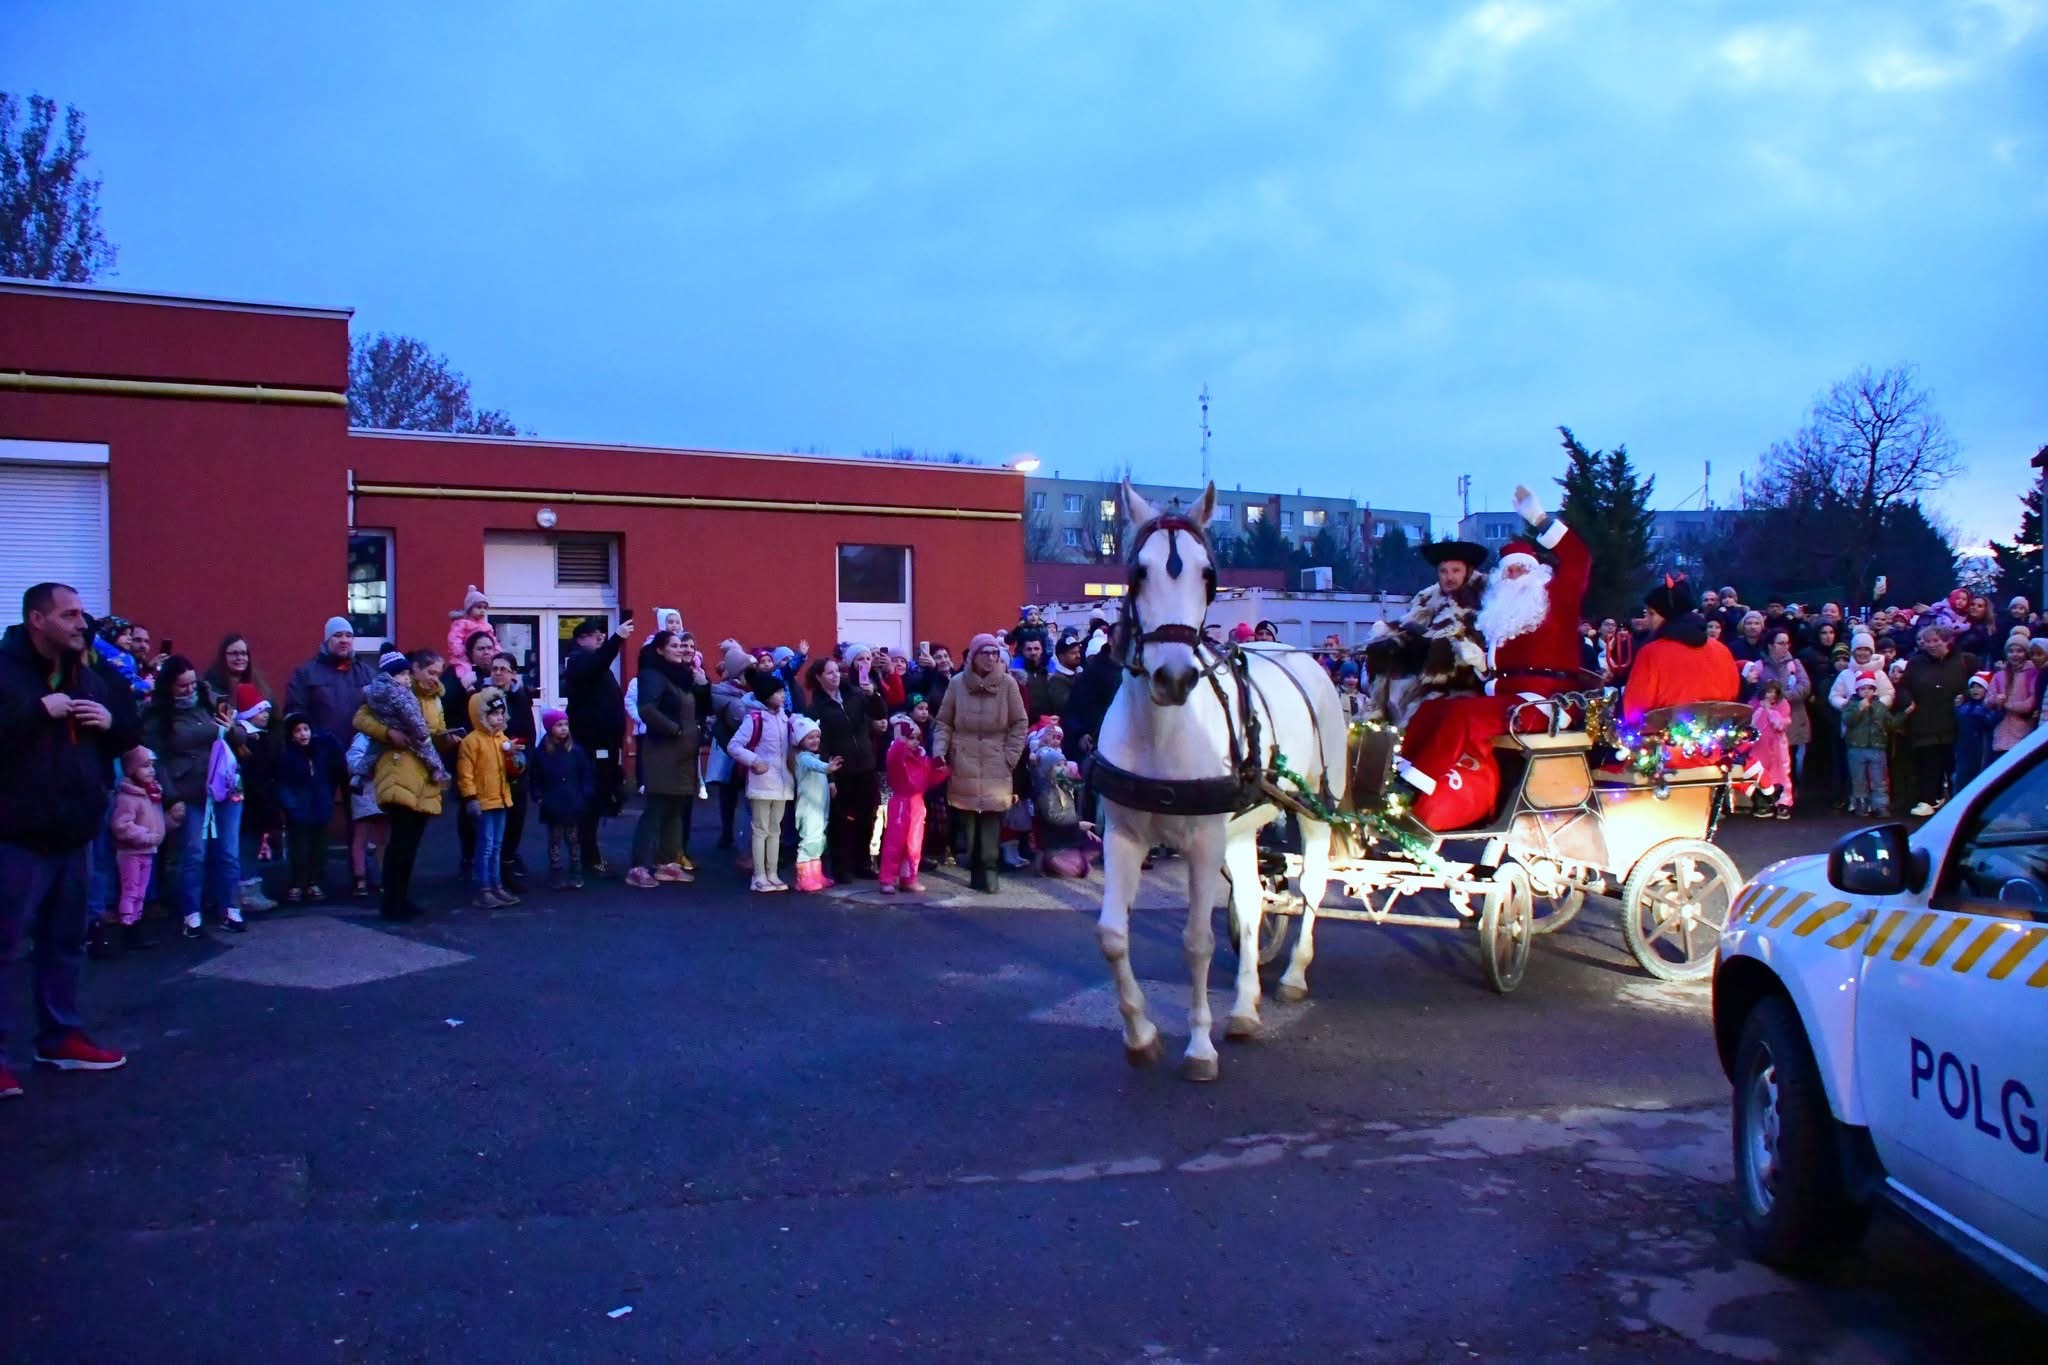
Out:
{"x": 850, "y": 1129}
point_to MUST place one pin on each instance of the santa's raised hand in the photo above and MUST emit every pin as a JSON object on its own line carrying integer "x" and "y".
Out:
{"x": 1527, "y": 504}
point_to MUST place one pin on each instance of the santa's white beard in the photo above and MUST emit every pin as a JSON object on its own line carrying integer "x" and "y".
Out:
{"x": 1514, "y": 606}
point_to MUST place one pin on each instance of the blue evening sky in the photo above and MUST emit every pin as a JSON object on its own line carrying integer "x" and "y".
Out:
{"x": 1399, "y": 242}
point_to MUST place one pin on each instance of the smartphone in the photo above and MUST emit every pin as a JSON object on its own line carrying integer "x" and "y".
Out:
{"x": 924, "y": 646}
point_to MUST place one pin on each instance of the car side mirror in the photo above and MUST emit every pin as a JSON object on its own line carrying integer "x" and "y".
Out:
{"x": 1878, "y": 861}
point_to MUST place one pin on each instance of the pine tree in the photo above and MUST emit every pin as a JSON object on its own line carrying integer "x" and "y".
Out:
{"x": 1609, "y": 509}
{"x": 2019, "y": 564}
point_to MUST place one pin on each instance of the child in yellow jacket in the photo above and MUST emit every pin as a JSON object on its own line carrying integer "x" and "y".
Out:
{"x": 486, "y": 787}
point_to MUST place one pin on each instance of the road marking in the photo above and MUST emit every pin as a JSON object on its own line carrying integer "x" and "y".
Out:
{"x": 321, "y": 953}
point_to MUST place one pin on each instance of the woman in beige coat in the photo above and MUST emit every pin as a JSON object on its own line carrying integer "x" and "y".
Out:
{"x": 980, "y": 736}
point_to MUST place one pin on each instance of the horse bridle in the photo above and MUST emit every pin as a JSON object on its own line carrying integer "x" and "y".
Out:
{"x": 1136, "y": 637}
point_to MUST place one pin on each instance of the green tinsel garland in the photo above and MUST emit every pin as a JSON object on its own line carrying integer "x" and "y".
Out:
{"x": 1373, "y": 824}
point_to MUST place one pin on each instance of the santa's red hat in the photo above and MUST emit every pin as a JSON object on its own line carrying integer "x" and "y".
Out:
{"x": 1518, "y": 551}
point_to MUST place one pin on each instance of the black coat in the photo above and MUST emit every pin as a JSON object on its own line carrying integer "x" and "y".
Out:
{"x": 597, "y": 705}
{"x": 1088, "y": 702}
{"x": 1930, "y": 686}
{"x": 329, "y": 695}
{"x": 668, "y": 751}
{"x": 54, "y": 776}
{"x": 846, "y": 727}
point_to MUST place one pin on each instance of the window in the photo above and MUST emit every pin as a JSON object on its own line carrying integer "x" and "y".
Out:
{"x": 1104, "y": 589}
{"x": 1254, "y": 513}
{"x": 1314, "y": 516}
{"x": 873, "y": 573}
{"x": 1287, "y": 521}
{"x": 1109, "y": 545}
{"x": 1223, "y": 512}
{"x": 1071, "y": 502}
{"x": 369, "y": 585}
{"x": 1109, "y": 509}
{"x": 2000, "y": 864}
{"x": 1070, "y": 536}
{"x": 583, "y": 563}
{"x": 1038, "y": 502}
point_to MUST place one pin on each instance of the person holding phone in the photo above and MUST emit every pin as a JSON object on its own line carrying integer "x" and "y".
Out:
{"x": 597, "y": 721}
{"x": 848, "y": 709}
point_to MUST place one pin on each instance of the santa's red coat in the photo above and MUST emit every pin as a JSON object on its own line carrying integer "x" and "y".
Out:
{"x": 1451, "y": 739}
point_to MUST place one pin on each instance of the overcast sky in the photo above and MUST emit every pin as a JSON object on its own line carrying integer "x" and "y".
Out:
{"x": 1399, "y": 242}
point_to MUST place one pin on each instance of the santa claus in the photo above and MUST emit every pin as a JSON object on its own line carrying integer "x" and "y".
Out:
{"x": 1529, "y": 616}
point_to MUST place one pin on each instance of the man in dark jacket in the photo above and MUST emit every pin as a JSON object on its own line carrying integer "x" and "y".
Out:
{"x": 597, "y": 721}
{"x": 327, "y": 689}
{"x": 1934, "y": 678}
{"x": 58, "y": 743}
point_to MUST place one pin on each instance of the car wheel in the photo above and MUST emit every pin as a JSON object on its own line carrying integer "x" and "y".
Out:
{"x": 1796, "y": 1205}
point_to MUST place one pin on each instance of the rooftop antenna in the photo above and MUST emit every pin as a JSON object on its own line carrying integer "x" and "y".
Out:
{"x": 1710, "y": 486}
{"x": 1203, "y": 397}
{"x": 1465, "y": 495}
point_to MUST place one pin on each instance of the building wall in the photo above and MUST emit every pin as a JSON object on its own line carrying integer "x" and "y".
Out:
{"x": 767, "y": 576}
{"x": 230, "y": 515}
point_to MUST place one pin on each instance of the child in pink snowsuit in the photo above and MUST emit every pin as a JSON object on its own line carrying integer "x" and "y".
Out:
{"x": 138, "y": 828}
{"x": 1772, "y": 716}
{"x": 473, "y": 619}
{"x": 912, "y": 773}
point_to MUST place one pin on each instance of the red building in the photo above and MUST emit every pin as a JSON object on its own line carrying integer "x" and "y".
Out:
{"x": 189, "y": 462}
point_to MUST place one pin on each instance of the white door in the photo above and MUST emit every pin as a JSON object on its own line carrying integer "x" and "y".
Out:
{"x": 1951, "y": 1052}
{"x": 874, "y": 595}
{"x": 53, "y": 521}
{"x": 541, "y": 587}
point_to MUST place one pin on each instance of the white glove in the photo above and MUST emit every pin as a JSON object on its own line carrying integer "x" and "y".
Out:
{"x": 1527, "y": 505}
{"x": 1469, "y": 654}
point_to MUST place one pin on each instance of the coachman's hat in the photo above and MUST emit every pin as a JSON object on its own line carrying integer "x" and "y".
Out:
{"x": 1437, "y": 551}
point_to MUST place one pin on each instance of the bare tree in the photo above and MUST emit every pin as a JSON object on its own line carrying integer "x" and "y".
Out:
{"x": 396, "y": 384}
{"x": 49, "y": 210}
{"x": 1041, "y": 540}
{"x": 1872, "y": 444}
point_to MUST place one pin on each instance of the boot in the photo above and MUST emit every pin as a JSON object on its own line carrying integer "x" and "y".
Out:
{"x": 810, "y": 876}
{"x": 135, "y": 938}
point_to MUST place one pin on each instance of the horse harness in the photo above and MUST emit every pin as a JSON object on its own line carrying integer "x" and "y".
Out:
{"x": 1247, "y": 783}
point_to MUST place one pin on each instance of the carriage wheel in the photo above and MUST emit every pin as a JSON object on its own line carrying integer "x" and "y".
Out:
{"x": 1507, "y": 927}
{"x": 1273, "y": 927}
{"x": 1555, "y": 912}
{"x": 1675, "y": 906}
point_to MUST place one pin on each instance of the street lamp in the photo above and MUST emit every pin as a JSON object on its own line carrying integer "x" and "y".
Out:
{"x": 1025, "y": 464}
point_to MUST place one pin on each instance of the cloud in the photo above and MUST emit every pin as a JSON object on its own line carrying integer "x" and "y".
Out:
{"x": 1907, "y": 69}
{"x": 1776, "y": 55}
{"x": 1479, "y": 43}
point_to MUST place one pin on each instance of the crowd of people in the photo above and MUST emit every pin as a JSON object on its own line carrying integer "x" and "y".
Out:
{"x": 132, "y": 778}
{"x": 1887, "y": 712}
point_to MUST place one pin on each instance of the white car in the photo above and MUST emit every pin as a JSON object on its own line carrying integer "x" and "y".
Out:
{"x": 1883, "y": 1015}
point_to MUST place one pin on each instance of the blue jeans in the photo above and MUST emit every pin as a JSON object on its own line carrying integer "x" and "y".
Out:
{"x": 103, "y": 886}
{"x": 181, "y": 863}
{"x": 490, "y": 849}
{"x": 224, "y": 859}
{"x": 44, "y": 894}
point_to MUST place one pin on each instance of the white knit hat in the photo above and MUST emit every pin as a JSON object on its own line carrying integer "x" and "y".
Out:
{"x": 1862, "y": 639}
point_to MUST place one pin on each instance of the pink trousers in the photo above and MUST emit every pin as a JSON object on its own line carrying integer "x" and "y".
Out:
{"x": 903, "y": 840}
{"x": 134, "y": 870}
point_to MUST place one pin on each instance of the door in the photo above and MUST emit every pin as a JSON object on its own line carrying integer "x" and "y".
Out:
{"x": 53, "y": 520}
{"x": 874, "y": 595}
{"x": 1952, "y": 1020}
{"x": 541, "y": 587}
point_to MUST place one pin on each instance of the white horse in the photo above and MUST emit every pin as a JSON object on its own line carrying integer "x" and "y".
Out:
{"x": 1166, "y": 747}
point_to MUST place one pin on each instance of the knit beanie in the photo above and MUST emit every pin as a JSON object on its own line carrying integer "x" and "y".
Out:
{"x": 336, "y": 625}
{"x": 552, "y": 717}
{"x": 734, "y": 662}
{"x": 393, "y": 662}
{"x": 473, "y": 598}
{"x": 1863, "y": 639}
{"x": 981, "y": 642}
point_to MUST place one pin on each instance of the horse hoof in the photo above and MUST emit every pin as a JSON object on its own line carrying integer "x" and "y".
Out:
{"x": 1143, "y": 1056}
{"x": 1198, "y": 1068}
{"x": 1292, "y": 995}
{"x": 1242, "y": 1028}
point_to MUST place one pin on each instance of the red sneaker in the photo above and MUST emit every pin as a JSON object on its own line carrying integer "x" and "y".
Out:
{"x": 9, "y": 1087}
{"x": 78, "y": 1053}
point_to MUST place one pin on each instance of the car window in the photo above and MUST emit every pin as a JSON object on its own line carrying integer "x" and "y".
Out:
{"x": 1999, "y": 863}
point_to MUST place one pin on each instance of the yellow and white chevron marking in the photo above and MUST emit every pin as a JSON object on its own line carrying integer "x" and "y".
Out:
{"x": 2013, "y": 950}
